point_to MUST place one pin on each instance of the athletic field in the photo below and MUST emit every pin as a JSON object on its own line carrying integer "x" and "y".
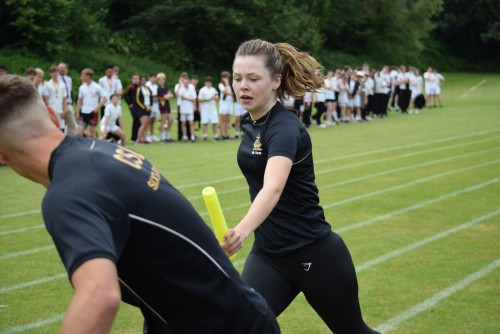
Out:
{"x": 416, "y": 198}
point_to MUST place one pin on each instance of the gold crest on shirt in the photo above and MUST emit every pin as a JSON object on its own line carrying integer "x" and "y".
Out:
{"x": 257, "y": 146}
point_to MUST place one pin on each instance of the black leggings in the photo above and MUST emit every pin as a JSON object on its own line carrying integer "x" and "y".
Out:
{"x": 323, "y": 271}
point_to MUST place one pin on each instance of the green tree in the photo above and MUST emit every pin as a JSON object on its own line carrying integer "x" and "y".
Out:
{"x": 470, "y": 29}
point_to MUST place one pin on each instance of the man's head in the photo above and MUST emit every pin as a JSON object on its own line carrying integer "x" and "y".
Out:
{"x": 31, "y": 74}
{"x": 24, "y": 118}
{"x": 87, "y": 75}
{"x": 109, "y": 70}
{"x": 63, "y": 68}
{"x": 136, "y": 79}
{"x": 209, "y": 81}
{"x": 54, "y": 72}
{"x": 153, "y": 77}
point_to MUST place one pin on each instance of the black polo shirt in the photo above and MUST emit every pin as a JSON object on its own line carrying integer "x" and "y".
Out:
{"x": 106, "y": 201}
{"x": 297, "y": 220}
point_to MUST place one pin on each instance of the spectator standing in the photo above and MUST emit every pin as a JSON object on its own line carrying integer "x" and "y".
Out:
{"x": 225, "y": 104}
{"x": 155, "y": 108}
{"x": 164, "y": 96}
{"x": 69, "y": 118}
{"x": 130, "y": 99}
{"x": 208, "y": 108}
{"x": 188, "y": 94}
{"x": 91, "y": 98}
{"x": 109, "y": 86}
{"x": 143, "y": 100}
{"x": 55, "y": 96}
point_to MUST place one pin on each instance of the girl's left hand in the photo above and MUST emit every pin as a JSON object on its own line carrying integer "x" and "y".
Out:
{"x": 233, "y": 242}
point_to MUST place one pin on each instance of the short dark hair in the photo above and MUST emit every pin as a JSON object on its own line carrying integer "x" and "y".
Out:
{"x": 109, "y": 67}
{"x": 209, "y": 78}
{"x": 15, "y": 92}
{"x": 30, "y": 71}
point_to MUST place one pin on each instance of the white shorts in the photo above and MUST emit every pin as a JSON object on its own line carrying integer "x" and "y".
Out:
{"x": 226, "y": 108}
{"x": 155, "y": 114}
{"x": 209, "y": 117}
{"x": 415, "y": 93}
{"x": 343, "y": 100}
{"x": 355, "y": 101}
{"x": 111, "y": 127}
{"x": 238, "y": 109}
{"x": 430, "y": 90}
{"x": 187, "y": 117}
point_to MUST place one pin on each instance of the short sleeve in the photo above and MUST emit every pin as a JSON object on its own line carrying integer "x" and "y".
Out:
{"x": 283, "y": 137}
{"x": 79, "y": 230}
{"x": 80, "y": 92}
{"x": 107, "y": 111}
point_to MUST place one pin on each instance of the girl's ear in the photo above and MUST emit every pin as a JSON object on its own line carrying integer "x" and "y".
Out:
{"x": 276, "y": 81}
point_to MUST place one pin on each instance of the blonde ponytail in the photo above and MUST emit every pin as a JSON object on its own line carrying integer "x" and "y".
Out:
{"x": 299, "y": 71}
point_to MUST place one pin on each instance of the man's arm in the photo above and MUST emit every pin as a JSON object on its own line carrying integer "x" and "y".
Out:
{"x": 96, "y": 298}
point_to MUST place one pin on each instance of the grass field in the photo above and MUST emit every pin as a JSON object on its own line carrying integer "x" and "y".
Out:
{"x": 415, "y": 197}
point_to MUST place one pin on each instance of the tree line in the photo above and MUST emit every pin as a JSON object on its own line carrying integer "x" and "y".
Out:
{"x": 199, "y": 34}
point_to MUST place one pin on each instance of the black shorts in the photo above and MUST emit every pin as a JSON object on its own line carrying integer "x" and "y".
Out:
{"x": 90, "y": 119}
{"x": 329, "y": 100}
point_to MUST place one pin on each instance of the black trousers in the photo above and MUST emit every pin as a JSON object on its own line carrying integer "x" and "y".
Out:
{"x": 323, "y": 271}
{"x": 179, "y": 126}
{"x": 320, "y": 110}
{"x": 404, "y": 99}
{"x": 306, "y": 117}
{"x": 136, "y": 124}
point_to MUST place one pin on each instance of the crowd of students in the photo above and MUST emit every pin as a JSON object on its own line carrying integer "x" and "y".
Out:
{"x": 348, "y": 95}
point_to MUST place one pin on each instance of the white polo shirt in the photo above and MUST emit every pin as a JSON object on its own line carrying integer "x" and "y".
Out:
{"x": 90, "y": 95}
{"x": 109, "y": 86}
{"x": 206, "y": 93}
{"x": 56, "y": 95}
{"x": 187, "y": 107}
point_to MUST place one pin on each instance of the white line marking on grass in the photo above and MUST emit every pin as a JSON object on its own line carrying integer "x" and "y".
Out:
{"x": 408, "y": 184}
{"x": 17, "y": 214}
{"x": 19, "y": 230}
{"x": 206, "y": 183}
{"x": 319, "y": 161}
{"x": 473, "y": 88}
{"x": 423, "y": 242}
{"x": 423, "y": 164}
{"x": 395, "y": 148}
{"x": 26, "y": 252}
{"x": 436, "y": 298}
{"x": 406, "y": 155}
{"x": 34, "y": 325}
{"x": 407, "y": 209}
{"x": 32, "y": 283}
{"x": 192, "y": 198}
{"x": 416, "y": 206}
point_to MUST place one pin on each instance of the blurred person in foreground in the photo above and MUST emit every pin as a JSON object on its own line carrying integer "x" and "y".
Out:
{"x": 147, "y": 247}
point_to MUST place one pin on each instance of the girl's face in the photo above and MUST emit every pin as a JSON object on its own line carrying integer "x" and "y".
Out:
{"x": 161, "y": 81}
{"x": 143, "y": 81}
{"x": 254, "y": 85}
